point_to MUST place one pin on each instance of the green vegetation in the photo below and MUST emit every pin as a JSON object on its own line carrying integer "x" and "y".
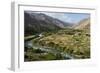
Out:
{"x": 38, "y": 55}
{"x": 71, "y": 41}
{"x": 74, "y": 42}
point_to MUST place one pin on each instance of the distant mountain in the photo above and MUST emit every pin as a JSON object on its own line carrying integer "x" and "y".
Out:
{"x": 39, "y": 22}
{"x": 83, "y": 24}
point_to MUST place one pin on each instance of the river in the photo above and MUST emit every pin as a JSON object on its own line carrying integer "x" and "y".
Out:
{"x": 54, "y": 51}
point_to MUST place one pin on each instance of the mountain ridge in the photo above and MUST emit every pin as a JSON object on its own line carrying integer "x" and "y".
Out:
{"x": 39, "y": 22}
{"x": 83, "y": 24}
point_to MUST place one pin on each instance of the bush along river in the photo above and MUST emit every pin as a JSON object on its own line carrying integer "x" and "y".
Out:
{"x": 35, "y": 52}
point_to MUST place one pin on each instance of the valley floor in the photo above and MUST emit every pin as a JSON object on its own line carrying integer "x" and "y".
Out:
{"x": 58, "y": 45}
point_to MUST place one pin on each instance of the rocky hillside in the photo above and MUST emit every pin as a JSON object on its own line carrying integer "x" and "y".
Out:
{"x": 83, "y": 24}
{"x": 39, "y": 22}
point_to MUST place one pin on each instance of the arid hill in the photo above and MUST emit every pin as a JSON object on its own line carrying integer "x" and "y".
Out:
{"x": 83, "y": 24}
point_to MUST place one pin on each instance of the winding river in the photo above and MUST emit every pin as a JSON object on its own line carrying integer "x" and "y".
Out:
{"x": 29, "y": 44}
